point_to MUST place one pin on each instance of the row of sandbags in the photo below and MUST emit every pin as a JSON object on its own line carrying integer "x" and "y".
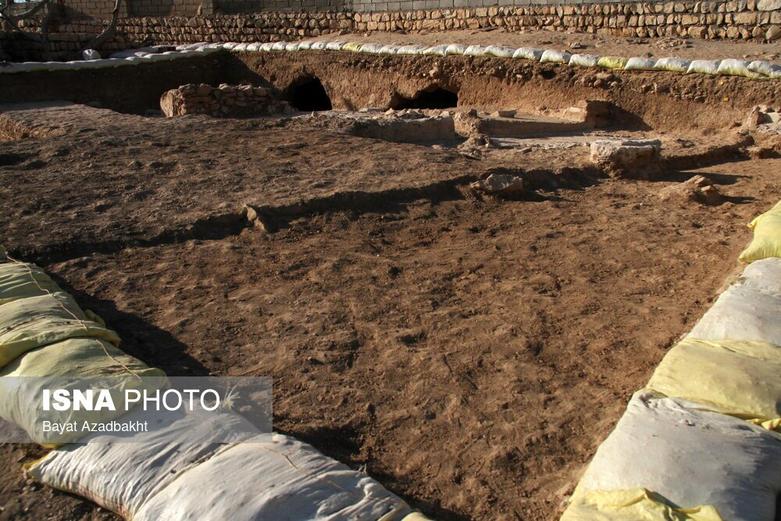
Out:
{"x": 700, "y": 441}
{"x": 118, "y": 60}
{"x": 757, "y": 69}
{"x": 176, "y": 471}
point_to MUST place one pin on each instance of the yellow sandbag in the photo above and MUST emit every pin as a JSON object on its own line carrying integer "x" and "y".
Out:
{"x": 416, "y": 516}
{"x": 78, "y": 357}
{"x": 767, "y": 236}
{"x": 33, "y": 322}
{"x": 61, "y": 365}
{"x": 612, "y": 62}
{"x": 632, "y": 505}
{"x": 727, "y": 376}
{"x": 352, "y": 46}
{"x": 19, "y": 280}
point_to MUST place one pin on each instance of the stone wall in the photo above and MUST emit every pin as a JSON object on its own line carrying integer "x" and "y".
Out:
{"x": 734, "y": 19}
{"x": 223, "y": 101}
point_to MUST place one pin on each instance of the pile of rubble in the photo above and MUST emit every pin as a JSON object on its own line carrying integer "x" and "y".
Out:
{"x": 223, "y": 101}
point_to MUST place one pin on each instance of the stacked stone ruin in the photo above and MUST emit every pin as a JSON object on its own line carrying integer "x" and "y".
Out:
{"x": 225, "y": 100}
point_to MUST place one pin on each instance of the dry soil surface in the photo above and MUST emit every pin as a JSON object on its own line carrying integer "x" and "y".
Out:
{"x": 471, "y": 352}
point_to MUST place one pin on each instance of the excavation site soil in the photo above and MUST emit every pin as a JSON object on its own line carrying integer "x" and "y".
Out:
{"x": 469, "y": 350}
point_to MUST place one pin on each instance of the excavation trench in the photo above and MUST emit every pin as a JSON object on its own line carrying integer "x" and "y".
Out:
{"x": 316, "y": 81}
{"x": 451, "y": 343}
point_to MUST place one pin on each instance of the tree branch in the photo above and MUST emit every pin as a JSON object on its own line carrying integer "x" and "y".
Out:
{"x": 14, "y": 19}
{"x": 108, "y": 32}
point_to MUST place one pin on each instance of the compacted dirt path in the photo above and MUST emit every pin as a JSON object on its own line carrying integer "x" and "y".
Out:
{"x": 470, "y": 352}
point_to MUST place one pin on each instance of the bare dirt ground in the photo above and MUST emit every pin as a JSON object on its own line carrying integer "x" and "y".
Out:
{"x": 471, "y": 352}
{"x": 579, "y": 42}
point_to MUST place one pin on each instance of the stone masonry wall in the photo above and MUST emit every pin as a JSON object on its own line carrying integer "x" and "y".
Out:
{"x": 733, "y": 19}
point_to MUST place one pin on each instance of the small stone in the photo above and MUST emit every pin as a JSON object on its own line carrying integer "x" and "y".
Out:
{"x": 507, "y": 113}
{"x": 773, "y": 34}
{"x": 696, "y": 189}
{"x": 501, "y": 185}
{"x": 768, "y": 5}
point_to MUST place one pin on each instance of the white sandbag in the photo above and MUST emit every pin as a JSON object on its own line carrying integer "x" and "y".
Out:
{"x": 122, "y": 476}
{"x": 371, "y": 48}
{"x": 554, "y": 56}
{"x": 90, "y": 54}
{"x": 291, "y": 46}
{"x": 528, "y": 53}
{"x": 764, "y": 68}
{"x": 283, "y": 478}
{"x": 334, "y": 46}
{"x": 690, "y": 457}
{"x": 190, "y": 46}
{"x": 703, "y": 67}
{"x": 278, "y": 46}
{"x": 732, "y": 67}
{"x": 763, "y": 275}
{"x": 30, "y": 66}
{"x": 672, "y": 64}
{"x": 474, "y": 50}
{"x": 160, "y": 57}
{"x": 456, "y": 48}
{"x": 411, "y": 49}
{"x": 253, "y": 47}
{"x": 116, "y": 62}
{"x": 58, "y": 66}
{"x": 318, "y": 46}
{"x": 229, "y": 46}
{"x": 436, "y": 50}
{"x": 242, "y": 47}
{"x": 640, "y": 64}
{"x": 742, "y": 313}
{"x": 500, "y": 51}
{"x": 584, "y": 60}
{"x": 266, "y": 46}
{"x": 305, "y": 45}
{"x": 389, "y": 49}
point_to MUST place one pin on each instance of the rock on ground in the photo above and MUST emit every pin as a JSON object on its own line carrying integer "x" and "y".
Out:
{"x": 501, "y": 185}
{"x": 696, "y": 189}
{"x": 627, "y": 158}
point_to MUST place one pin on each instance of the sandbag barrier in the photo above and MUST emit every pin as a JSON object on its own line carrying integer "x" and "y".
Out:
{"x": 700, "y": 442}
{"x": 174, "y": 473}
{"x": 123, "y": 59}
{"x": 755, "y": 69}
